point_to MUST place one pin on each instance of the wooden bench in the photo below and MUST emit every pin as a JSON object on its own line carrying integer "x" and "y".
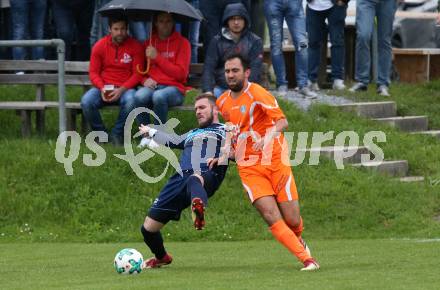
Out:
{"x": 416, "y": 65}
{"x": 41, "y": 73}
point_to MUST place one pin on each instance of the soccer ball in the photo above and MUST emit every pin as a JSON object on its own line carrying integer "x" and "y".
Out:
{"x": 128, "y": 261}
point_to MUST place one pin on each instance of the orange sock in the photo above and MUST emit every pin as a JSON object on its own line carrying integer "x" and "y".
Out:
{"x": 298, "y": 229}
{"x": 285, "y": 236}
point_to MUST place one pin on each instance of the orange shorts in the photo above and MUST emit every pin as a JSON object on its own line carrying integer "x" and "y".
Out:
{"x": 265, "y": 180}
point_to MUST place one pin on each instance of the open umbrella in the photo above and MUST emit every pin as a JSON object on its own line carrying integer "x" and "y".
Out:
{"x": 145, "y": 10}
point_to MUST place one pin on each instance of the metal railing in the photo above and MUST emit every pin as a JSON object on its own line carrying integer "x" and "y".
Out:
{"x": 61, "y": 49}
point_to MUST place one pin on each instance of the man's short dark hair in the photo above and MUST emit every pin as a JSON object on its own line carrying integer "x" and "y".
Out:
{"x": 117, "y": 18}
{"x": 243, "y": 59}
{"x": 211, "y": 98}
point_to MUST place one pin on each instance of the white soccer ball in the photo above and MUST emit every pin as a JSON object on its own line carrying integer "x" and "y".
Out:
{"x": 128, "y": 261}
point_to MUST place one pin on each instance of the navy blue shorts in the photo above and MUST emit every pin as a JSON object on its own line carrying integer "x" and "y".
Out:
{"x": 174, "y": 198}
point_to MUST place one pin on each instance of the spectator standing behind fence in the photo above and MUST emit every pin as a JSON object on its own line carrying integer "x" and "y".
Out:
{"x": 73, "y": 20}
{"x": 169, "y": 54}
{"x": 384, "y": 10}
{"x": 113, "y": 62}
{"x": 235, "y": 37}
{"x": 276, "y": 11}
{"x": 99, "y": 23}
{"x": 28, "y": 23}
{"x": 212, "y": 10}
{"x": 193, "y": 34}
{"x": 334, "y": 11}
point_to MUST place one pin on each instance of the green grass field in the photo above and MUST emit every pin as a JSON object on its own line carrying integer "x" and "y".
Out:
{"x": 368, "y": 231}
{"x": 346, "y": 264}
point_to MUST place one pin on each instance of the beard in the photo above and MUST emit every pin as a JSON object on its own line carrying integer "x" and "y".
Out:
{"x": 237, "y": 87}
{"x": 208, "y": 121}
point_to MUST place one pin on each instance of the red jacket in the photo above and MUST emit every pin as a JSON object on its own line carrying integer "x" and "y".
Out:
{"x": 112, "y": 64}
{"x": 171, "y": 66}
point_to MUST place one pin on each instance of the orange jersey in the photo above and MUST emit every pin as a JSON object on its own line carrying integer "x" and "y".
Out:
{"x": 253, "y": 113}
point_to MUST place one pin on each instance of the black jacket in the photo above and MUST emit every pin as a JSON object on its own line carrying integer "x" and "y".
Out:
{"x": 249, "y": 45}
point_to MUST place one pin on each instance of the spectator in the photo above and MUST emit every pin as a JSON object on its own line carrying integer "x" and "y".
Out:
{"x": 384, "y": 11}
{"x": 28, "y": 22}
{"x": 113, "y": 62}
{"x": 99, "y": 24}
{"x": 334, "y": 11}
{"x": 193, "y": 34}
{"x": 235, "y": 37}
{"x": 138, "y": 29}
{"x": 164, "y": 85}
{"x": 213, "y": 12}
{"x": 73, "y": 20}
{"x": 276, "y": 11}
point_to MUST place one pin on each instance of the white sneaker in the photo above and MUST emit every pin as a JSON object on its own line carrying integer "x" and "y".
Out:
{"x": 383, "y": 91}
{"x": 314, "y": 86}
{"x": 307, "y": 93}
{"x": 338, "y": 84}
{"x": 282, "y": 90}
{"x": 357, "y": 87}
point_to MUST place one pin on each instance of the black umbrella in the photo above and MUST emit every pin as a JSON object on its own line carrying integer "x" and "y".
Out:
{"x": 145, "y": 9}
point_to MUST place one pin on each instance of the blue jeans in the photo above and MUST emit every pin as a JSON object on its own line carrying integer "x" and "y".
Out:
{"x": 140, "y": 30}
{"x": 91, "y": 102}
{"x": 316, "y": 27}
{"x": 384, "y": 10}
{"x": 67, "y": 17}
{"x": 159, "y": 100}
{"x": 218, "y": 91}
{"x": 292, "y": 11}
{"x": 99, "y": 23}
{"x": 194, "y": 33}
{"x": 28, "y": 23}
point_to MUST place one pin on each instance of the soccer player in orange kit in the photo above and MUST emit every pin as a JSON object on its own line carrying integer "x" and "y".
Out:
{"x": 258, "y": 147}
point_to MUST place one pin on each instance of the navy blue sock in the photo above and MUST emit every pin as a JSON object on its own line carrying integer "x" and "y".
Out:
{"x": 155, "y": 242}
{"x": 196, "y": 189}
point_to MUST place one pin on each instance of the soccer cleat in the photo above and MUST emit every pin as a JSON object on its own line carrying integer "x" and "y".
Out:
{"x": 198, "y": 213}
{"x": 156, "y": 263}
{"x": 310, "y": 265}
{"x": 305, "y": 245}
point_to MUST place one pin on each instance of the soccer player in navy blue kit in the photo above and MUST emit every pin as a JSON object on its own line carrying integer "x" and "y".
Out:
{"x": 197, "y": 182}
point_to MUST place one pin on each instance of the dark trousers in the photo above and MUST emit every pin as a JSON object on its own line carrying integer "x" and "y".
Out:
{"x": 74, "y": 22}
{"x": 316, "y": 30}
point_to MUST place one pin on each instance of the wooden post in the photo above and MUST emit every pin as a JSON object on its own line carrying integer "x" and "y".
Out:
{"x": 25, "y": 116}
{"x": 40, "y": 122}
{"x": 39, "y": 96}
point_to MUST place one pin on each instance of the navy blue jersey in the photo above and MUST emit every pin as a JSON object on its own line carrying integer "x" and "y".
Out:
{"x": 198, "y": 145}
